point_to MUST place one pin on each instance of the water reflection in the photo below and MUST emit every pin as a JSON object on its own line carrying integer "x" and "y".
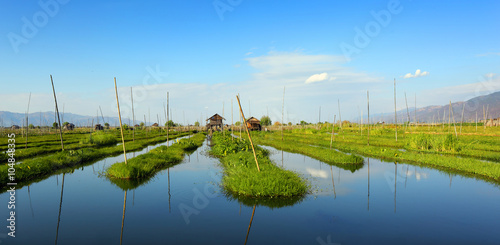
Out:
{"x": 60, "y": 207}
{"x": 250, "y": 225}
{"x": 123, "y": 216}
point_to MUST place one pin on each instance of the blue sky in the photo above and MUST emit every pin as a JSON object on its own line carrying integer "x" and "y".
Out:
{"x": 205, "y": 55}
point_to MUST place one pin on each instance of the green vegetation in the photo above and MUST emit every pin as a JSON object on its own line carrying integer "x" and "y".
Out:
{"x": 146, "y": 165}
{"x": 265, "y": 121}
{"x": 99, "y": 138}
{"x": 435, "y": 150}
{"x": 36, "y": 168}
{"x": 333, "y": 157}
{"x": 241, "y": 177}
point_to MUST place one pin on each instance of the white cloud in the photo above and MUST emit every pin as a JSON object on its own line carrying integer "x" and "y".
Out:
{"x": 490, "y": 75}
{"x": 418, "y": 73}
{"x": 248, "y": 53}
{"x": 317, "y": 78}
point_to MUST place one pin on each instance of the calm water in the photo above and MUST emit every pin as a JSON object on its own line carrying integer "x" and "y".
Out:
{"x": 400, "y": 204}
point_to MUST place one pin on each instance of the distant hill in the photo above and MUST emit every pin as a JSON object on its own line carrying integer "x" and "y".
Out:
{"x": 8, "y": 119}
{"x": 435, "y": 112}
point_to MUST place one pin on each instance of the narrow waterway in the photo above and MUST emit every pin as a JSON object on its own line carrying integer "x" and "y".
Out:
{"x": 382, "y": 203}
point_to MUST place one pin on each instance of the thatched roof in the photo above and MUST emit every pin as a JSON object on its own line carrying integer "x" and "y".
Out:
{"x": 253, "y": 120}
{"x": 215, "y": 117}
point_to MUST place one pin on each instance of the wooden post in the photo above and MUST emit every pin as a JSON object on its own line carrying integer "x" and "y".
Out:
{"x": 145, "y": 125}
{"x": 57, "y": 112}
{"x": 133, "y": 116}
{"x": 167, "y": 121}
{"x": 368, "y": 100}
{"x": 123, "y": 215}
{"x": 476, "y": 121}
{"x": 407, "y": 111}
{"x": 395, "y": 115}
{"x": 104, "y": 122}
{"x": 340, "y": 115}
{"x": 232, "y": 120}
{"x": 121, "y": 126}
{"x": 333, "y": 131}
{"x": 454, "y": 126}
{"x": 27, "y": 122}
{"x": 462, "y": 120}
{"x": 282, "y": 113}
{"x": 248, "y": 132}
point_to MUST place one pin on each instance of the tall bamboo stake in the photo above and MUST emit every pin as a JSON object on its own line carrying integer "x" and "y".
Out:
{"x": 333, "y": 131}
{"x": 395, "y": 115}
{"x": 27, "y": 123}
{"x": 476, "y": 120}
{"x": 368, "y": 100}
{"x": 57, "y": 112}
{"x": 102, "y": 116}
{"x": 133, "y": 116}
{"x": 146, "y": 127}
{"x": 248, "y": 132}
{"x": 340, "y": 115}
{"x": 121, "y": 126}
{"x": 167, "y": 120}
{"x": 454, "y": 126}
{"x": 462, "y": 120}
{"x": 232, "y": 120}
{"x": 282, "y": 113}
{"x": 416, "y": 121}
{"x": 407, "y": 110}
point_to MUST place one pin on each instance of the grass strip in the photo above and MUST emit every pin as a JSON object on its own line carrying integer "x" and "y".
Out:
{"x": 46, "y": 165}
{"x": 332, "y": 157}
{"x": 241, "y": 177}
{"x": 148, "y": 164}
{"x": 462, "y": 165}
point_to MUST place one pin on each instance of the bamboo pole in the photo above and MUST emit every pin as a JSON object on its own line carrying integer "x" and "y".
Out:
{"x": 282, "y": 113}
{"x": 416, "y": 121}
{"x": 368, "y": 100}
{"x": 167, "y": 121}
{"x": 248, "y": 132}
{"x": 145, "y": 125}
{"x": 333, "y": 131}
{"x": 407, "y": 111}
{"x": 454, "y": 126}
{"x": 27, "y": 123}
{"x": 395, "y": 114}
{"x": 476, "y": 120}
{"x": 121, "y": 126}
{"x": 462, "y": 120}
{"x": 232, "y": 120}
{"x": 103, "y": 121}
{"x": 133, "y": 116}
{"x": 57, "y": 112}
{"x": 340, "y": 115}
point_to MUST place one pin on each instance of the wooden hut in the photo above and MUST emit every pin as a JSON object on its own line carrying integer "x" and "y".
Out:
{"x": 69, "y": 126}
{"x": 155, "y": 125}
{"x": 98, "y": 127}
{"x": 14, "y": 127}
{"x": 253, "y": 124}
{"x": 215, "y": 122}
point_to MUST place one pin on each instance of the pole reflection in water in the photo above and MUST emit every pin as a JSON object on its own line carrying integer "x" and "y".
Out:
{"x": 60, "y": 206}
{"x": 123, "y": 216}
{"x": 250, "y": 225}
{"x": 395, "y": 181}
{"x": 31, "y": 206}
{"x": 368, "y": 184}
{"x": 169, "y": 196}
{"x": 333, "y": 183}
{"x": 406, "y": 177}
